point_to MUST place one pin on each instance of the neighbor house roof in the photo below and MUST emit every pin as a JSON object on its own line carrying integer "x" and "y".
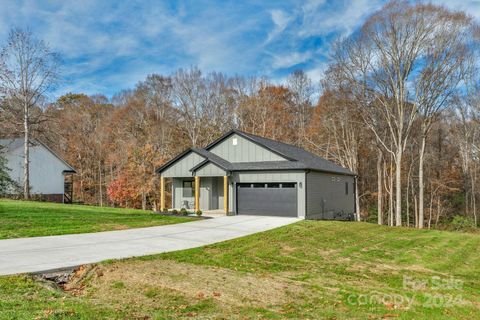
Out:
{"x": 15, "y": 143}
{"x": 295, "y": 158}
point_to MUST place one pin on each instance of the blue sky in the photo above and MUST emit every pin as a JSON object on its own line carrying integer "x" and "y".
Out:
{"x": 110, "y": 45}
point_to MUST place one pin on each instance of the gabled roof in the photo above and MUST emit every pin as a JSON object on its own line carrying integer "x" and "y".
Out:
{"x": 10, "y": 145}
{"x": 296, "y": 158}
{"x": 305, "y": 159}
{"x": 209, "y": 157}
{"x": 252, "y": 139}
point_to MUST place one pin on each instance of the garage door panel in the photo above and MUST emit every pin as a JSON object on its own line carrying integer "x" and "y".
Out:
{"x": 267, "y": 201}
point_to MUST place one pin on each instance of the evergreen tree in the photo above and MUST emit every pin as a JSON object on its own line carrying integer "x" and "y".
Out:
{"x": 6, "y": 183}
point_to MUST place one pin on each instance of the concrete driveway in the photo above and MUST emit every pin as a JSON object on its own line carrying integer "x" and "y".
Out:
{"x": 56, "y": 252}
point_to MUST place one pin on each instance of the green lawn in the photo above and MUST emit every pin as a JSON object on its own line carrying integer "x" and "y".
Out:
{"x": 309, "y": 270}
{"x": 32, "y": 219}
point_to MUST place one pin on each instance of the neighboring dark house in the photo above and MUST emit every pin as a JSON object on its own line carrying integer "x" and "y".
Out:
{"x": 242, "y": 173}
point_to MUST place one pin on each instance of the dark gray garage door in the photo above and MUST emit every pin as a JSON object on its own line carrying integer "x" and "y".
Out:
{"x": 267, "y": 199}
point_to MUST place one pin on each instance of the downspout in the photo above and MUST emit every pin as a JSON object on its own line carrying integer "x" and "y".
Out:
{"x": 357, "y": 214}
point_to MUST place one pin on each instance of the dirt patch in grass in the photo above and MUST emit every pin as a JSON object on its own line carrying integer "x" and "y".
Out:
{"x": 142, "y": 283}
{"x": 120, "y": 227}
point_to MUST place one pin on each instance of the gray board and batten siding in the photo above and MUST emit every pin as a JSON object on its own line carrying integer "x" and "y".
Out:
{"x": 210, "y": 170}
{"x": 238, "y": 149}
{"x": 211, "y": 193}
{"x": 329, "y": 196}
{"x": 181, "y": 168}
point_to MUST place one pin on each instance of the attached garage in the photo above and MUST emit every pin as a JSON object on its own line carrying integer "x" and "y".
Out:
{"x": 246, "y": 174}
{"x": 267, "y": 199}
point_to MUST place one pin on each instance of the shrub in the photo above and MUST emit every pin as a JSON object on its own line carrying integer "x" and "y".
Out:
{"x": 184, "y": 211}
{"x": 165, "y": 210}
{"x": 175, "y": 211}
{"x": 199, "y": 213}
{"x": 461, "y": 223}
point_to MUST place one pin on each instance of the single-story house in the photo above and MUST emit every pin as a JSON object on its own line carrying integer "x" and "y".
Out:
{"x": 242, "y": 173}
{"x": 50, "y": 175}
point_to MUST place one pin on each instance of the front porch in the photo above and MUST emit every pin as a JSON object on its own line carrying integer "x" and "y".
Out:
{"x": 206, "y": 193}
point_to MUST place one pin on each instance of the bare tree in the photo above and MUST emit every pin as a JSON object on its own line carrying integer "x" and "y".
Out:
{"x": 189, "y": 92}
{"x": 220, "y": 103}
{"x": 379, "y": 187}
{"x": 156, "y": 93}
{"x": 28, "y": 71}
{"x": 302, "y": 89}
{"x": 401, "y": 46}
{"x": 467, "y": 134}
{"x": 446, "y": 58}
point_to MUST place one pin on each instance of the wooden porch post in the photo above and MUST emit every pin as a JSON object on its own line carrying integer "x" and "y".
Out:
{"x": 197, "y": 193}
{"x": 225, "y": 194}
{"x": 162, "y": 193}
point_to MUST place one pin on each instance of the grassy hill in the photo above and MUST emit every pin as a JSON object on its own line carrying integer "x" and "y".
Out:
{"x": 31, "y": 219}
{"x": 310, "y": 270}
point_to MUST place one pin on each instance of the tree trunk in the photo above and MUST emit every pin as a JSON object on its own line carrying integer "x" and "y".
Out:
{"x": 112, "y": 203}
{"x": 431, "y": 208}
{"x": 100, "y": 193}
{"x": 398, "y": 188}
{"x": 144, "y": 200}
{"x": 416, "y": 211}
{"x": 390, "y": 195}
{"x": 379, "y": 188}
{"x": 474, "y": 202}
{"x": 421, "y": 184}
{"x": 26, "y": 154}
{"x": 407, "y": 203}
{"x": 438, "y": 212}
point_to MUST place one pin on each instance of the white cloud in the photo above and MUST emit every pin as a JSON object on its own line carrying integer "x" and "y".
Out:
{"x": 290, "y": 59}
{"x": 320, "y": 18}
{"x": 317, "y": 73}
{"x": 110, "y": 45}
{"x": 280, "y": 20}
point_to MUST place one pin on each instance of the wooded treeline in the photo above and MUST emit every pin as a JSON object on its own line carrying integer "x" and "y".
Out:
{"x": 399, "y": 104}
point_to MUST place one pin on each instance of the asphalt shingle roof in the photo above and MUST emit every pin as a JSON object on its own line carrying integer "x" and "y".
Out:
{"x": 213, "y": 158}
{"x": 296, "y": 158}
{"x": 299, "y": 158}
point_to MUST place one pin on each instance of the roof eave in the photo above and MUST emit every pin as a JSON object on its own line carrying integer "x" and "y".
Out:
{"x": 205, "y": 162}
{"x": 297, "y": 169}
{"x": 167, "y": 164}
{"x": 56, "y": 155}
{"x": 162, "y": 168}
{"x": 334, "y": 172}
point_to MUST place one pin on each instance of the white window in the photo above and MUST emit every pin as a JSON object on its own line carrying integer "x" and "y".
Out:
{"x": 234, "y": 141}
